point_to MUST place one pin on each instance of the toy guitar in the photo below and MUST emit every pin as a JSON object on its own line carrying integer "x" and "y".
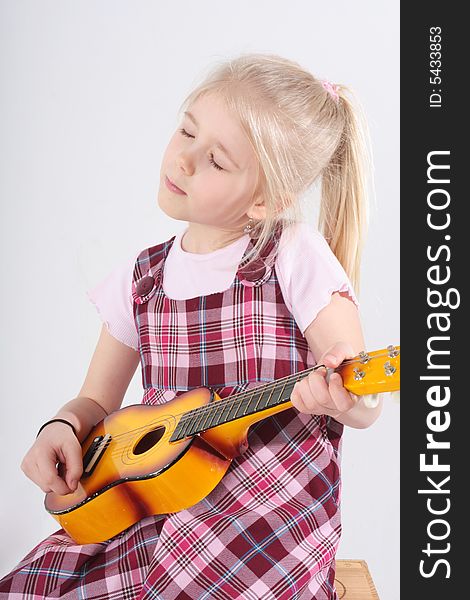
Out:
{"x": 146, "y": 460}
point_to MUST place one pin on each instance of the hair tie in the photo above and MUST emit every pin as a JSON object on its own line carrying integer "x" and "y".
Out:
{"x": 56, "y": 421}
{"x": 332, "y": 89}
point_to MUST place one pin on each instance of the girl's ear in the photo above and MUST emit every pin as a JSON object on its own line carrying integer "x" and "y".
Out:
{"x": 257, "y": 211}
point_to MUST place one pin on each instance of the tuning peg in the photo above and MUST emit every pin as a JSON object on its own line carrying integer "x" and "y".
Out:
{"x": 358, "y": 374}
{"x": 389, "y": 368}
{"x": 364, "y": 358}
{"x": 392, "y": 351}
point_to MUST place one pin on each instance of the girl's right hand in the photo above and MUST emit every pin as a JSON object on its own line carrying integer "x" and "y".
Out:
{"x": 55, "y": 444}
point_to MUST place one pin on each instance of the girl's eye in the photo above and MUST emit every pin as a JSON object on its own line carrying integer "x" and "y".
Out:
{"x": 185, "y": 133}
{"x": 212, "y": 161}
{"x": 214, "y": 164}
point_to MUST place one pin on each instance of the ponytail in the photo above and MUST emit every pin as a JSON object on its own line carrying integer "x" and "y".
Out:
{"x": 343, "y": 210}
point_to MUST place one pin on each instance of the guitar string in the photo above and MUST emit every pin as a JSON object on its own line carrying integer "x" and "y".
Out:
{"x": 241, "y": 396}
{"x": 116, "y": 450}
{"x": 223, "y": 403}
{"x": 220, "y": 405}
{"x": 135, "y": 459}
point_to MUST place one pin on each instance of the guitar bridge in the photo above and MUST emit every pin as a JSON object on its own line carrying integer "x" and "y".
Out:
{"x": 94, "y": 453}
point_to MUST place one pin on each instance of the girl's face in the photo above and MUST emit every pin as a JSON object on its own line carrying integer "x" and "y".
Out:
{"x": 211, "y": 160}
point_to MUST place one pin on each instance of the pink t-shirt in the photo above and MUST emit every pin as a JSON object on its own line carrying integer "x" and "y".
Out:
{"x": 307, "y": 270}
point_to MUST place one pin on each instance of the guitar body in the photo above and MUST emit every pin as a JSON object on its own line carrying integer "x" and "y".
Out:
{"x": 150, "y": 460}
{"x": 141, "y": 473}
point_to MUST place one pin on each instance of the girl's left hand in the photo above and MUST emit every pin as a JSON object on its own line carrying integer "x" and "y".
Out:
{"x": 314, "y": 396}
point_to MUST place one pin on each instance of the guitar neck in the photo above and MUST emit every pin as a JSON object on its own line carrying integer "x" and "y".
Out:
{"x": 367, "y": 373}
{"x": 240, "y": 405}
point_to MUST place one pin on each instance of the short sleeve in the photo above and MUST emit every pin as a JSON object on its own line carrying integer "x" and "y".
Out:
{"x": 112, "y": 298}
{"x": 309, "y": 273}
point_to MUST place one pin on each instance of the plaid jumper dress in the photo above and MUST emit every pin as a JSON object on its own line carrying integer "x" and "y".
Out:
{"x": 271, "y": 528}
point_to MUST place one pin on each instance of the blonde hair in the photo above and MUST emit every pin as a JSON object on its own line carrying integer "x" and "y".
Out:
{"x": 300, "y": 133}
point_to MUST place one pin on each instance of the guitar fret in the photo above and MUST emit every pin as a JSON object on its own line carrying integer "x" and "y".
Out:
{"x": 273, "y": 396}
{"x": 213, "y": 413}
{"x": 260, "y": 397}
{"x": 185, "y": 425}
{"x": 224, "y": 415}
{"x": 176, "y": 432}
{"x": 252, "y": 403}
{"x": 287, "y": 388}
{"x": 247, "y": 409}
{"x": 268, "y": 398}
{"x": 239, "y": 411}
{"x": 212, "y": 410}
{"x": 197, "y": 421}
{"x": 204, "y": 424}
{"x": 282, "y": 391}
{"x": 233, "y": 412}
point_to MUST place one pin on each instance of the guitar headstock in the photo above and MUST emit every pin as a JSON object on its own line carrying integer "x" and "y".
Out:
{"x": 372, "y": 372}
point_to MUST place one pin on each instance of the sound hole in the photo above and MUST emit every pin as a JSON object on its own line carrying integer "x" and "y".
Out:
{"x": 149, "y": 440}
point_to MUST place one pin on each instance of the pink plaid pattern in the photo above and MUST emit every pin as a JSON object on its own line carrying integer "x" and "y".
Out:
{"x": 271, "y": 528}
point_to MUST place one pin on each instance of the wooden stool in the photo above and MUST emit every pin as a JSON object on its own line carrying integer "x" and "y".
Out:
{"x": 353, "y": 581}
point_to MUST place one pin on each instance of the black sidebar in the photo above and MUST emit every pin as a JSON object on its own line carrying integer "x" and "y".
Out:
{"x": 435, "y": 238}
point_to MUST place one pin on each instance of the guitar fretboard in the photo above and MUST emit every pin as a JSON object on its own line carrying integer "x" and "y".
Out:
{"x": 382, "y": 376}
{"x": 235, "y": 407}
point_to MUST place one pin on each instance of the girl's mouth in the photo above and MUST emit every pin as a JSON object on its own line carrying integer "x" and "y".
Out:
{"x": 173, "y": 188}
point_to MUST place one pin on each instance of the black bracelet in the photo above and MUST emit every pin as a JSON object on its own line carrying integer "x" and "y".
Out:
{"x": 56, "y": 421}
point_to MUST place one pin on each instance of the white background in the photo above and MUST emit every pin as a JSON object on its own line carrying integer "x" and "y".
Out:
{"x": 89, "y": 95}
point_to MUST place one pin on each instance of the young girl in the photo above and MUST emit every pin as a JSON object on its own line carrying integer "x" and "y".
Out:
{"x": 245, "y": 295}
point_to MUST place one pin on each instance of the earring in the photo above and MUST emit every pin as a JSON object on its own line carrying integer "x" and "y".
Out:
{"x": 249, "y": 226}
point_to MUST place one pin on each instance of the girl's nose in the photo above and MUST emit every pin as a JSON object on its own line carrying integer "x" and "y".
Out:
{"x": 185, "y": 163}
